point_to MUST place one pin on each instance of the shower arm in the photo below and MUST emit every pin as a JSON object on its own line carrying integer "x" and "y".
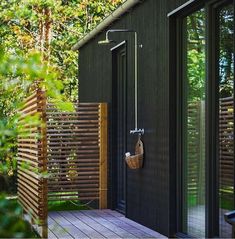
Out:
{"x": 136, "y": 130}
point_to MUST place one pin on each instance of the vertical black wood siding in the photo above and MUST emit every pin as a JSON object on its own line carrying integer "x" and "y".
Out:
{"x": 150, "y": 197}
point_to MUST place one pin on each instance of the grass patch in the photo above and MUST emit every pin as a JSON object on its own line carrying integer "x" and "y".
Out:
{"x": 225, "y": 203}
{"x": 66, "y": 205}
{"x": 192, "y": 200}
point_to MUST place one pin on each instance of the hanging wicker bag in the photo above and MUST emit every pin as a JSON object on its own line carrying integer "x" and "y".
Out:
{"x": 136, "y": 161}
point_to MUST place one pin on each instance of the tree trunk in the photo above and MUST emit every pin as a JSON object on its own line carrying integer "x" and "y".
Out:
{"x": 48, "y": 33}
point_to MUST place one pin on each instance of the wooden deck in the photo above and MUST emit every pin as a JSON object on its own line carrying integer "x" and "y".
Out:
{"x": 95, "y": 224}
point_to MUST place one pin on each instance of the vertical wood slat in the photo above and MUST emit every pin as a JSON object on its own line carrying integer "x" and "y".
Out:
{"x": 103, "y": 164}
{"x": 44, "y": 222}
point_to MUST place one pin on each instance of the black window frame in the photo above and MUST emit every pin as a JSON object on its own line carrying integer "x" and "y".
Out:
{"x": 176, "y": 126}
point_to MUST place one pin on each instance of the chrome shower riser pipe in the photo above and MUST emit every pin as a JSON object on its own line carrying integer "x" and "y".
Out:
{"x": 106, "y": 41}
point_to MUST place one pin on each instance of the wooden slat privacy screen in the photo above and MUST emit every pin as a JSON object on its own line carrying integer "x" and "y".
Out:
{"x": 226, "y": 149}
{"x": 71, "y": 148}
{"x": 32, "y": 187}
{"x": 196, "y": 153}
{"x": 73, "y": 153}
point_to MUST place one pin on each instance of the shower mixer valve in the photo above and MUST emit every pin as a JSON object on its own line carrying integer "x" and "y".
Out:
{"x": 137, "y": 131}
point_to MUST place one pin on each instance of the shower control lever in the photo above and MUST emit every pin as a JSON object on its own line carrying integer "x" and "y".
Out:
{"x": 137, "y": 131}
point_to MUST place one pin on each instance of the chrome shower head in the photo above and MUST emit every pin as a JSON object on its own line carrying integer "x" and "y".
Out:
{"x": 105, "y": 42}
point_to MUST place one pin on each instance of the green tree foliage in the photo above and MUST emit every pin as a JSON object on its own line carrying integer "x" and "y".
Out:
{"x": 36, "y": 37}
{"x": 16, "y": 75}
{"x": 196, "y": 71}
{"x": 196, "y": 53}
{"x": 226, "y": 54}
{"x": 52, "y": 27}
{"x": 32, "y": 32}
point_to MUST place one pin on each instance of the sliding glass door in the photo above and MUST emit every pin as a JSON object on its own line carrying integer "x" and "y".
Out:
{"x": 193, "y": 135}
{"x": 206, "y": 168}
{"x": 225, "y": 80}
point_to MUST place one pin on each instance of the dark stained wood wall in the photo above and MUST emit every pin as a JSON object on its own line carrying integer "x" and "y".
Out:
{"x": 150, "y": 197}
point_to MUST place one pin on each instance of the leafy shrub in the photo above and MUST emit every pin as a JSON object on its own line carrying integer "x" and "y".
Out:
{"x": 11, "y": 223}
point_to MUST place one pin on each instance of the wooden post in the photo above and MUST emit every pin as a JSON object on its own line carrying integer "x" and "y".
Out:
{"x": 42, "y": 109}
{"x": 103, "y": 164}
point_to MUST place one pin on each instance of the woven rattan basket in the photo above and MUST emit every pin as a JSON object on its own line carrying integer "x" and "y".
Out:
{"x": 136, "y": 161}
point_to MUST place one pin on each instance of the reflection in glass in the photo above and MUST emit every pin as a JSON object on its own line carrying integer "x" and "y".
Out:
{"x": 194, "y": 125}
{"x": 226, "y": 117}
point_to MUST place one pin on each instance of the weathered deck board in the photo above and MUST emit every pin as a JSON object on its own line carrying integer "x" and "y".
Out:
{"x": 132, "y": 231}
{"x": 86, "y": 229}
{"x": 135, "y": 224}
{"x": 56, "y": 229}
{"x": 95, "y": 224}
{"x": 69, "y": 227}
{"x": 106, "y": 232}
{"x": 119, "y": 231}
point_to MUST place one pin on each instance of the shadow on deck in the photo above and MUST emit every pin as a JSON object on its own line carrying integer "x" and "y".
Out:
{"x": 96, "y": 224}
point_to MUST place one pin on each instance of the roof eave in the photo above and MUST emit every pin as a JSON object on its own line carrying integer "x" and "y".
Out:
{"x": 126, "y": 6}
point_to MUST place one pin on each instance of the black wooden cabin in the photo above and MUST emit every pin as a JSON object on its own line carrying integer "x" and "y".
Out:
{"x": 185, "y": 106}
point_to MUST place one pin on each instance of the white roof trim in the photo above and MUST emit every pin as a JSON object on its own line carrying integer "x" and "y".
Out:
{"x": 128, "y": 4}
{"x": 180, "y": 8}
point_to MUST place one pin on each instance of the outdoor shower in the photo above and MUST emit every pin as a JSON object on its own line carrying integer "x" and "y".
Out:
{"x": 108, "y": 41}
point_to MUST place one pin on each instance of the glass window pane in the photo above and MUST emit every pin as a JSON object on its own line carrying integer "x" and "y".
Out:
{"x": 226, "y": 116}
{"x": 194, "y": 91}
